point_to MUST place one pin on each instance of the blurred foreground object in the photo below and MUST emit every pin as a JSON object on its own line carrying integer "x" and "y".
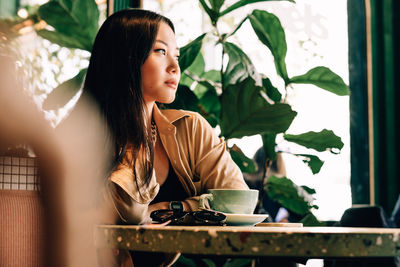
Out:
{"x": 71, "y": 163}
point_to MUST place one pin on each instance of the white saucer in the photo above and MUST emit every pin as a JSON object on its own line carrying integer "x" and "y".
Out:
{"x": 244, "y": 219}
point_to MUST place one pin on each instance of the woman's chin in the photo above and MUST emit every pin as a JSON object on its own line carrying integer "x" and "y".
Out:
{"x": 167, "y": 101}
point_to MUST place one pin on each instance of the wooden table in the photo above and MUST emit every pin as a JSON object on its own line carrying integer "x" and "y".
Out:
{"x": 310, "y": 242}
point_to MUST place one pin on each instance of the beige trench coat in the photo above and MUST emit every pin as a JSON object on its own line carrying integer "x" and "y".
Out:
{"x": 197, "y": 155}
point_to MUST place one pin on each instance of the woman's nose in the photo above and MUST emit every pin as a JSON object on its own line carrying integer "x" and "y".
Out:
{"x": 174, "y": 67}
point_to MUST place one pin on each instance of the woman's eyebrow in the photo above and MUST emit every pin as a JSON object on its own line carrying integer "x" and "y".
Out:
{"x": 161, "y": 41}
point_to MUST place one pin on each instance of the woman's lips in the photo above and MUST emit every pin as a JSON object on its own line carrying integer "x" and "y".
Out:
{"x": 172, "y": 83}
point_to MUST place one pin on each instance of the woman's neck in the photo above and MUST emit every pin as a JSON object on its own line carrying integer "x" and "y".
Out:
{"x": 149, "y": 110}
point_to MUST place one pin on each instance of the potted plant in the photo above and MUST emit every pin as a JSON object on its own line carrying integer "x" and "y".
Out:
{"x": 243, "y": 102}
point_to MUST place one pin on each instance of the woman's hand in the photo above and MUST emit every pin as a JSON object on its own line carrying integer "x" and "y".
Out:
{"x": 158, "y": 206}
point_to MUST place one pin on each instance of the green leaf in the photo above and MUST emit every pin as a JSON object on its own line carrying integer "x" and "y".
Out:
{"x": 237, "y": 262}
{"x": 270, "y": 32}
{"x": 203, "y": 87}
{"x": 216, "y": 5}
{"x": 324, "y": 78}
{"x": 311, "y": 220}
{"x": 204, "y": 84}
{"x": 290, "y": 195}
{"x": 269, "y": 145}
{"x": 309, "y": 190}
{"x": 225, "y": 36}
{"x": 209, "y": 104}
{"x": 244, "y": 112}
{"x": 245, "y": 164}
{"x": 196, "y": 69}
{"x": 64, "y": 40}
{"x": 313, "y": 162}
{"x": 245, "y": 2}
{"x": 184, "y": 261}
{"x": 211, "y": 118}
{"x": 186, "y": 80}
{"x": 74, "y": 19}
{"x": 185, "y": 99}
{"x": 209, "y": 262}
{"x": 189, "y": 52}
{"x": 205, "y": 90}
{"x": 88, "y": 14}
{"x": 212, "y": 75}
{"x": 198, "y": 65}
{"x": 271, "y": 91}
{"x": 320, "y": 141}
{"x": 210, "y": 78}
{"x": 210, "y": 12}
{"x": 63, "y": 93}
{"x": 239, "y": 65}
{"x": 66, "y": 3}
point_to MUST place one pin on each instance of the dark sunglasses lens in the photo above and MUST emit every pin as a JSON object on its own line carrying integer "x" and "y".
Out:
{"x": 197, "y": 217}
{"x": 166, "y": 215}
{"x": 210, "y": 216}
{"x": 162, "y": 215}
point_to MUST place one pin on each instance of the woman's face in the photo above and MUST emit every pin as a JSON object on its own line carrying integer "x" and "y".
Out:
{"x": 160, "y": 71}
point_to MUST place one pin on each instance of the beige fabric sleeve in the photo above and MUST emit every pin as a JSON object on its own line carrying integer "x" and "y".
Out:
{"x": 131, "y": 200}
{"x": 127, "y": 208}
{"x": 213, "y": 163}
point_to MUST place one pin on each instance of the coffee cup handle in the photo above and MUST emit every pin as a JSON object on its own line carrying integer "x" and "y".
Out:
{"x": 203, "y": 201}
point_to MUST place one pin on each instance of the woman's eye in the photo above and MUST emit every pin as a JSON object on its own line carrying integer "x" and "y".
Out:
{"x": 177, "y": 57}
{"x": 161, "y": 51}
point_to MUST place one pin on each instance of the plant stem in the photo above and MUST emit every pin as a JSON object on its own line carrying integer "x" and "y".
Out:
{"x": 222, "y": 69}
{"x": 221, "y": 41}
{"x": 237, "y": 27}
{"x": 288, "y": 86}
{"x": 198, "y": 79}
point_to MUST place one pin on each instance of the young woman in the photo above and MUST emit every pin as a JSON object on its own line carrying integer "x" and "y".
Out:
{"x": 161, "y": 156}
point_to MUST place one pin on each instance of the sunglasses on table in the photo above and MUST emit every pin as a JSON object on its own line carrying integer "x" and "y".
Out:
{"x": 202, "y": 217}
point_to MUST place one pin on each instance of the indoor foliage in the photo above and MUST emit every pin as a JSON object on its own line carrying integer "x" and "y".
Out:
{"x": 243, "y": 102}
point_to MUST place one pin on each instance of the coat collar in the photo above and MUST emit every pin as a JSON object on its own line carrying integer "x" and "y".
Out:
{"x": 165, "y": 119}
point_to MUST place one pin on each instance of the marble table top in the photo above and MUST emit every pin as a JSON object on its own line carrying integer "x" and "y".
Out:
{"x": 310, "y": 242}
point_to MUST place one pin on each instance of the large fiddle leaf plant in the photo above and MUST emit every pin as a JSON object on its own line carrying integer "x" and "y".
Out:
{"x": 244, "y": 102}
{"x": 236, "y": 97}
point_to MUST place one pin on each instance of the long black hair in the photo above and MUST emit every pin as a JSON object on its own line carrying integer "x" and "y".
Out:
{"x": 114, "y": 80}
